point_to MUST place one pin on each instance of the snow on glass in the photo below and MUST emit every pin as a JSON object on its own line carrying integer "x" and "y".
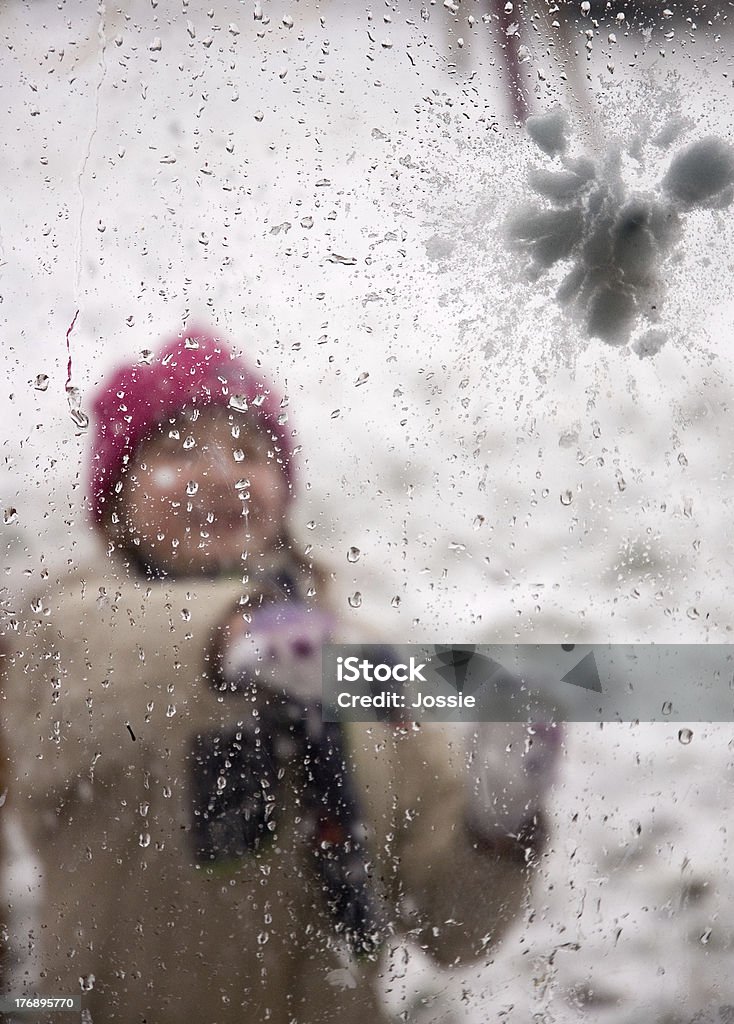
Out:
{"x": 613, "y": 238}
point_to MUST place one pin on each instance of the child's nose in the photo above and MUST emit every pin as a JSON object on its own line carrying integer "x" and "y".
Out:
{"x": 260, "y": 479}
{"x": 221, "y": 470}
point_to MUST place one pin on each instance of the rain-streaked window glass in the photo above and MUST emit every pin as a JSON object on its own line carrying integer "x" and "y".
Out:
{"x": 330, "y": 329}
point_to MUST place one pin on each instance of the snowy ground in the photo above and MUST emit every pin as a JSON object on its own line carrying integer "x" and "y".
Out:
{"x": 333, "y": 194}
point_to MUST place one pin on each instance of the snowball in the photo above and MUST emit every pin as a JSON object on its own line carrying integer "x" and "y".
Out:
{"x": 611, "y": 314}
{"x": 615, "y": 240}
{"x": 650, "y": 343}
{"x": 549, "y": 235}
{"x": 557, "y": 185}
{"x": 701, "y": 172}
{"x": 548, "y": 131}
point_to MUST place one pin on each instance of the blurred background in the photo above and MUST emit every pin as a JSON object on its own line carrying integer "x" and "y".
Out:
{"x": 328, "y": 185}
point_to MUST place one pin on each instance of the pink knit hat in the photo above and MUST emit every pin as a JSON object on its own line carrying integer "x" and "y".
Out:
{"x": 196, "y": 370}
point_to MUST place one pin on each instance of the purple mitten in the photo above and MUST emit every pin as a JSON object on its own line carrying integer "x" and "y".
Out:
{"x": 279, "y": 650}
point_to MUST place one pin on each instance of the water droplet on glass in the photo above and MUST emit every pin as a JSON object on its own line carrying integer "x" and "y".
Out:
{"x": 344, "y": 261}
{"x": 144, "y": 839}
{"x": 10, "y": 515}
{"x": 189, "y": 443}
{"x": 79, "y": 419}
{"x": 566, "y": 497}
{"x": 355, "y": 600}
{"x": 41, "y": 382}
{"x": 363, "y": 377}
{"x": 86, "y": 982}
{"x": 192, "y": 487}
{"x": 238, "y": 402}
{"x": 146, "y": 356}
{"x": 353, "y": 554}
{"x": 74, "y": 402}
{"x": 478, "y": 522}
{"x": 685, "y": 736}
{"x": 170, "y": 711}
{"x": 185, "y": 614}
{"x": 395, "y": 603}
{"x": 667, "y": 707}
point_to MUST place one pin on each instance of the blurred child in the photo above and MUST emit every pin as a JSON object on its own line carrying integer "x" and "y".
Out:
{"x": 208, "y": 848}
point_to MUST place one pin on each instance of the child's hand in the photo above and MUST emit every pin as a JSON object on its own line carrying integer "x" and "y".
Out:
{"x": 516, "y": 764}
{"x": 279, "y": 650}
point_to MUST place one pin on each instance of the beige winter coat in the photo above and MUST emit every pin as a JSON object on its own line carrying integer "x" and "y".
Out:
{"x": 105, "y": 685}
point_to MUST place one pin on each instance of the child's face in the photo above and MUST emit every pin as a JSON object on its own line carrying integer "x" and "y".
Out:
{"x": 203, "y": 491}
